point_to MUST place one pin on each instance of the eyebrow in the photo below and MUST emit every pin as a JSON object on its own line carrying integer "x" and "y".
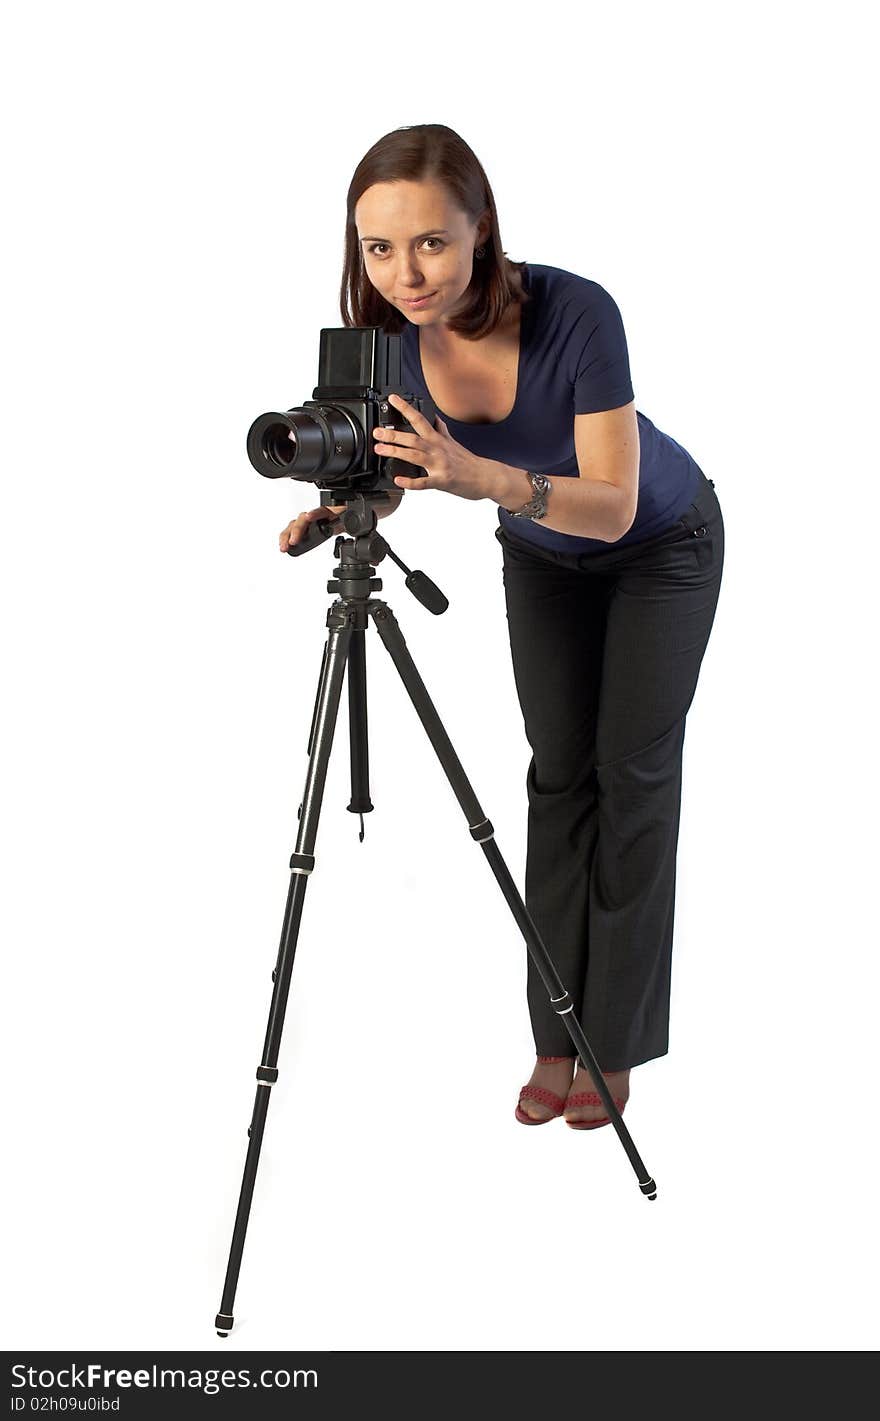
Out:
{"x": 434, "y": 232}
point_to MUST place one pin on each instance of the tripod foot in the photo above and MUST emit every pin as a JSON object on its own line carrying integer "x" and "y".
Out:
{"x": 223, "y": 1323}
{"x": 649, "y": 1188}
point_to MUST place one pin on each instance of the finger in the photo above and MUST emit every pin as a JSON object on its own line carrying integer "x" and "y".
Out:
{"x": 407, "y": 453}
{"x": 416, "y": 484}
{"x": 418, "y": 421}
{"x": 386, "y": 436}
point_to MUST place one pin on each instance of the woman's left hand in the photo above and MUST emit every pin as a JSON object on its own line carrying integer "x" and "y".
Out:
{"x": 448, "y": 465}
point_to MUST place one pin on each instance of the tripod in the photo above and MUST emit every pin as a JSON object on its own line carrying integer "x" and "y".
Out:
{"x": 347, "y": 619}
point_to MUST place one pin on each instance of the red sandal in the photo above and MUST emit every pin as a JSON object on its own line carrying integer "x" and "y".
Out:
{"x": 589, "y": 1097}
{"x": 542, "y": 1096}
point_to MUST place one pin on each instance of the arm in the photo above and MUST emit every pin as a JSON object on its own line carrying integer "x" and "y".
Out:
{"x": 601, "y": 503}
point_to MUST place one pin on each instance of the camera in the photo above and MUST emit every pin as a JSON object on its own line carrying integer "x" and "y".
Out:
{"x": 328, "y": 440}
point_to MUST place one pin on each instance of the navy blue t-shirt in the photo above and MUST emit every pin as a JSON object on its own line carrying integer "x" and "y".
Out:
{"x": 573, "y": 359}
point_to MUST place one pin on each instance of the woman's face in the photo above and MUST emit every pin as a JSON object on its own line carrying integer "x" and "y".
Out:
{"x": 416, "y": 243}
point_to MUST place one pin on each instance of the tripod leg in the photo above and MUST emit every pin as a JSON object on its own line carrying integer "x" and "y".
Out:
{"x": 360, "y": 802}
{"x": 482, "y": 831}
{"x": 301, "y": 864}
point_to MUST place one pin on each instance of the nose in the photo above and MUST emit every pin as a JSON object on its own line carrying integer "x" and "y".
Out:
{"x": 409, "y": 276}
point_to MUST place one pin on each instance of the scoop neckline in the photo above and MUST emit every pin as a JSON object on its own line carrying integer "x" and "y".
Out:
{"x": 485, "y": 423}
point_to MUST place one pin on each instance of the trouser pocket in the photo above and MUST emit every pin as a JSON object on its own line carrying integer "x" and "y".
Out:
{"x": 701, "y": 522}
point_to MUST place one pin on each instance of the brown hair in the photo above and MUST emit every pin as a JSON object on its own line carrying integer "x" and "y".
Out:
{"x": 416, "y": 153}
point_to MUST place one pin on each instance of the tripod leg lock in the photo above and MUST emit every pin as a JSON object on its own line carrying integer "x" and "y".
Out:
{"x": 562, "y": 1004}
{"x": 302, "y": 863}
{"x": 267, "y": 1075}
{"x": 482, "y": 832}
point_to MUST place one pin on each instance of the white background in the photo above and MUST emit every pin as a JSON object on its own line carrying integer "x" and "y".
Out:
{"x": 176, "y": 179}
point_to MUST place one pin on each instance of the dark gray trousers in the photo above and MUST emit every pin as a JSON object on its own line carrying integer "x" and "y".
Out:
{"x": 606, "y": 651}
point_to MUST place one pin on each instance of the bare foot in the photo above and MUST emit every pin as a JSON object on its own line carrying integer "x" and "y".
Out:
{"x": 551, "y": 1075}
{"x": 617, "y": 1082}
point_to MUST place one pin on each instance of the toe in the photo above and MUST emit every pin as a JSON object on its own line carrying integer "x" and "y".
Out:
{"x": 582, "y": 1106}
{"x": 534, "y": 1112}
{"x": 584, "y": 1116}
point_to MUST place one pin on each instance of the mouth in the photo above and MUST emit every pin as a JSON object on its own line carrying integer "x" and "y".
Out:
{"x": 418, "y": 300}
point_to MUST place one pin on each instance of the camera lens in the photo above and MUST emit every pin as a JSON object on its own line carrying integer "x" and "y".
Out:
{"x": 279, "y": 444}
{"x": 313, "y": 442}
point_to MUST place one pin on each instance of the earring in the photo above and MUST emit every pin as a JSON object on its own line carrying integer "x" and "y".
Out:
{"x": 480, "y": 252}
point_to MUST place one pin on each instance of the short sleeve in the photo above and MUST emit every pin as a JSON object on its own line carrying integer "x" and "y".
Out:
{"x": 602, "y": 378}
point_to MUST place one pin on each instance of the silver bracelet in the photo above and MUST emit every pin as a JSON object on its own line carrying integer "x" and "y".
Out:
{"x": 537, "y": 504}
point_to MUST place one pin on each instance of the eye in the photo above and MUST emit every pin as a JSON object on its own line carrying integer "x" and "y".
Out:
{"x": 376, "y": 245}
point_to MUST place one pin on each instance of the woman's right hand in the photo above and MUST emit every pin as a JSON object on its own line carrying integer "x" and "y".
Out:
{"x": 298, "y": 526}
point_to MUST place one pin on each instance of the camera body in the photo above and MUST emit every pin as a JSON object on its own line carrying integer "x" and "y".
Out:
{"x": 328, "y": 440}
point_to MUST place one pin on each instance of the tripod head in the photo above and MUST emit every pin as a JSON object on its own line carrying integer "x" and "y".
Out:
{"x": 361, "y": 552}
{"x": 359, "y": 516}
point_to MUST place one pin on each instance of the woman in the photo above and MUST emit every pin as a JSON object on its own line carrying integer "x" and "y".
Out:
{"x": 612, "y": 570}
